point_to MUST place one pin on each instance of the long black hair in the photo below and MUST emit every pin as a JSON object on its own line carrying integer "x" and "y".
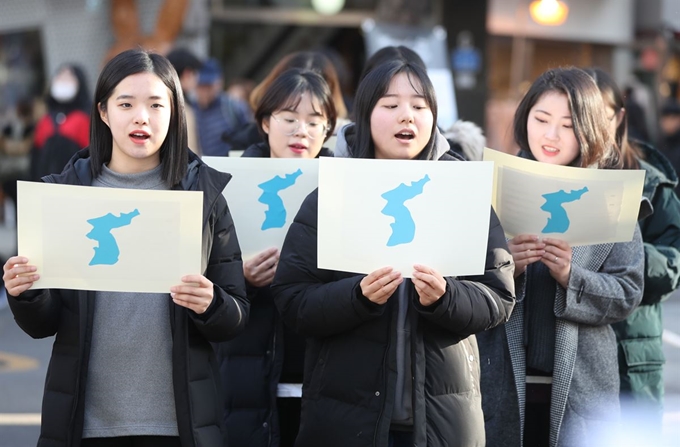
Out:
{"x": 374, "y": 86}
{"x": 391, "y": 53}
{"x": 173, "y": 151}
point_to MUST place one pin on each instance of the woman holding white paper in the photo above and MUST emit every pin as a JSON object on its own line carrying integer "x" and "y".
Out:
{"x": 296, "y": 116}
{"x": 137, "y": 369}
{"x": 550, "y": 375}
{"x": 390, "y": 361}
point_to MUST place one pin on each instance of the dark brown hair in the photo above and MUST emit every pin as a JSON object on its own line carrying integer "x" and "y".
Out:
{"x": 612, "y": 96}
{"x": 304, "y": 60}
{"x": 587, "y": 115}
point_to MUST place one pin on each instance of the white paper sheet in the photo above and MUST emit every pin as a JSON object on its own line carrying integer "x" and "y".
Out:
{"x": 109, "y": 239}
{"x": 264, "y": 195}
{"x": 443, "y": 206}
{"x": 577, "y": 205}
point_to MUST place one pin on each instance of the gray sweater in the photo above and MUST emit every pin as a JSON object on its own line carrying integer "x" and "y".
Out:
{"x": 129, "y": 389}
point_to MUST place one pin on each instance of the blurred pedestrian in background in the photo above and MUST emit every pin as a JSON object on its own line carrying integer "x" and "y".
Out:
{"x": 187, "y": 66}
{"x": 217, "y": 113}
{"x": 65, "y": 128}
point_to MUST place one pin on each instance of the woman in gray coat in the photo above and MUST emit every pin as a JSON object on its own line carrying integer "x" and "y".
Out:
{"x": 550, "y": 375}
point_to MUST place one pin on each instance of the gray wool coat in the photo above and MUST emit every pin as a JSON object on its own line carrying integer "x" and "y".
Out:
{"x": 605, "y": 286}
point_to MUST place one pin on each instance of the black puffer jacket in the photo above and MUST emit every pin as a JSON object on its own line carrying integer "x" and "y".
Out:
{"x": 68, "y": 314}
{"x": 253, "y": 364}
{"x": 350, "y": 361}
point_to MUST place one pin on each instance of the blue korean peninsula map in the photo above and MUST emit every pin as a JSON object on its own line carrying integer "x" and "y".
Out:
{"x": 558, "y": 222}
{"x": 107, "y": 252}
{"x": 404, "y": 227}
{"x": 275, "y": 216}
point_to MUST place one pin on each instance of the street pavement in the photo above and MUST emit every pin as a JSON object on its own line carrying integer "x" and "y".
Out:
{"x": 23, "y": 364}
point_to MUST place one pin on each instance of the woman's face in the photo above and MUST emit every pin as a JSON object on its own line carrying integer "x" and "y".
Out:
{"x": 298, "y": 133}
{"x": 138, "y": 114}
{"x": 550, "y": 131}
{"x": 401, "y": 121}
{"x": 64, "y": 86}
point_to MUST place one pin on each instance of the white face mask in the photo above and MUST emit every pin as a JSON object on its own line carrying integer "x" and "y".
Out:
{"x": 63, "y": 91}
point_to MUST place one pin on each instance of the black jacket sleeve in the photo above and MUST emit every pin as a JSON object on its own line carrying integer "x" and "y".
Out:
{"x": 475, "y": 303}
{"x": 310, "y": 300}
{"x": 37, "y": 312}
{"x": 228, "y": 313}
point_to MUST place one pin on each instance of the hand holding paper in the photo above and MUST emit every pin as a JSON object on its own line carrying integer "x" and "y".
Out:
{"x": 378, "y": 286}
{"x": 259, "y": 271}
{"x": 429, "y": 284}
{"x": 525, "y": 249}
{"x": 557, "y": 258}
{"x": 18, "y": 275}
{"x": 196, "y": 293}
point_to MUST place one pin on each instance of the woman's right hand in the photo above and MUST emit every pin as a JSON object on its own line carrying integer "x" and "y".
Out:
{"x": 259, "y": 271}
{"x": 18, "y": 275}
{"x": 379, "y": 285}
{"x": 525, "y": 249}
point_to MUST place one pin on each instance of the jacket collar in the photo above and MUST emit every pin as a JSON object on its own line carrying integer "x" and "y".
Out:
{"x": 199, "y": 176}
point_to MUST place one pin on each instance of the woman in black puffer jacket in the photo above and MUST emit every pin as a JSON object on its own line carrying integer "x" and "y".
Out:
{"x": 358, "y": 387}
{"x": 262, "y": 368}
{"x": 128, "y": 368}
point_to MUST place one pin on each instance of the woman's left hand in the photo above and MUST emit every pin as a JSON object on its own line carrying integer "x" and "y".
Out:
{"x": 429, "y": 284}
{"x": 196, "y": 293}
{"x": 557, "y": 258}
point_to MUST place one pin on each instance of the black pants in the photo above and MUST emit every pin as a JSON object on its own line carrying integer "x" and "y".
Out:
{"x": 133, "y": 441}
{"x": 537, "y": 415}
{"x": 289, "y": 419}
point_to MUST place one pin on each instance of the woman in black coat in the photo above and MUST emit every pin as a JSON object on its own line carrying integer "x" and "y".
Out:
{"x": 137, "y": 369}
{"x": 390, "y": 361}
{"x": 262, "y": 368}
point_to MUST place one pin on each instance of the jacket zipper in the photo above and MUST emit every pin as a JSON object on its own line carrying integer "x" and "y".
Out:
{"x": 76, "y": 394}
{"x": 382, "y": 398}
{"x": 276, "y": 392}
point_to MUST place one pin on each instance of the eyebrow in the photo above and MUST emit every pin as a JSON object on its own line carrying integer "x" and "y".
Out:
{"x": 154, "y": 97}
{"x": 394, "y": 95}
{"x": 295, "y": 111}
{"x": 543, "y": 111}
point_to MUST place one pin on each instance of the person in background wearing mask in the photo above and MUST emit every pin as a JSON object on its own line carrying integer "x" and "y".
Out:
{"x": 217, "y": 113}
{"x": 65, "y": 128}
{"x": 187, "y": 65}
